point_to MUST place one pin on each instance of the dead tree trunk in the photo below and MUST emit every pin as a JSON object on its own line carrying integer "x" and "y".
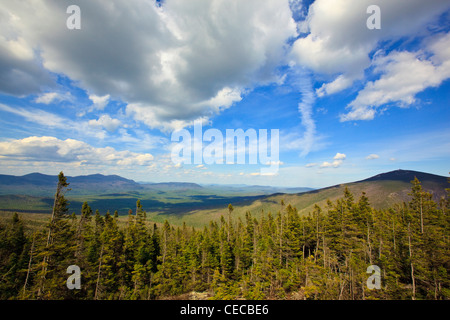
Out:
{"x": 412, "y": 265}
{"x": 98, "y": 274}
{"x": 29, "y": 266}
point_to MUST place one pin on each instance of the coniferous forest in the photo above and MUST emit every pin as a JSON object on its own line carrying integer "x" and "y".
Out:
{"x": 279, "y": 255}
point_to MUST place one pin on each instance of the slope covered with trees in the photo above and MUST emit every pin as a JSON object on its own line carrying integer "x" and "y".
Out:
{"x": 280, "y": 255}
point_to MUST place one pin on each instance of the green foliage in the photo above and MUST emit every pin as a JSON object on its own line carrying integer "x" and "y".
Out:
{"x": 323, "y": 255}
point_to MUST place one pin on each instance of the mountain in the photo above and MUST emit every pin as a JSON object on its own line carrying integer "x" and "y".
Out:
{"x": 34, "y": 193}
{"x": 383, "y": 191}
{"x": 198, "y": 204}
{"x": 38, "y": 184}
{"x": 37, "y": 179}
{"x": 408, "y": 176}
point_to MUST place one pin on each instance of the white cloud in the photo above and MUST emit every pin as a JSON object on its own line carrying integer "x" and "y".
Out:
{"x": 99, "y": 103}
{"x": 37, "y": 116}
{"x": 340, "y": 83}
{"x": 53, "y": 121}
{"x": 339, "y": 156}
{"x": 224, "y": 99}
{"x": 338, "y": 160}
{"x": 372, "y": 156}
{"x": 305, "y": 109}
{"x": 50, "y": 97}
{"x": 178, "y": 62}
{"x": 135, "y": 159}
{"x": 338, "y": 42}
{"x": 52, "y": 149}
{"x": 334, "y": 164}
{"x": 185, "y": 60}
{"x": 308, "y": 140}
{"x": 105, "y": 121}
{"x": 396, "y": 84}
{"x": 21, "y": 73}
{"x": 359, "y": 113}
{"x": 152, "y": 115}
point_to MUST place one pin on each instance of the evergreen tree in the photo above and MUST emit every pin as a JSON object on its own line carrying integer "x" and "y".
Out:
{"x": 14, "y": 247}
{"x": 323, "y": 254}
{"x": 57, "y": 251}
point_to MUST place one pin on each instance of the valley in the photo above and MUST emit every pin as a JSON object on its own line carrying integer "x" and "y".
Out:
{"x": 197, "y": 205}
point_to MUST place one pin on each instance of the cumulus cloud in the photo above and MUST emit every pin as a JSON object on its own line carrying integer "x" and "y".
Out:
{"x": 21, "y": 72}
{"x": 177, "y": 61}
{"x": 338, "y": 159}
{"x": 52, "y": 149}
{"x": 334, "y": 164}
{"x": 340, "y": 83}
{"x": 339, "y": 156}
{"x": 99, "y": 103}
{"x": 396, "y": 84}
{"x": 372, "y": 156}
{"x": 338, "y": 43}
{"x": 105, "y": 121}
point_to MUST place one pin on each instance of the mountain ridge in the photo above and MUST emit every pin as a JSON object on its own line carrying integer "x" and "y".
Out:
{"x": 183, "y": 200}
{"x": 396, "y": 175}
{"x": 404, "y": 175}
{"x": 383, "y": 190}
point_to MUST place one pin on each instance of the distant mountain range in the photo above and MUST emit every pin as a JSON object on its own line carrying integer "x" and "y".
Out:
{"x": 42, "y": 184}
{"x": 34, "y": 193}
{"x": 383, "y": 190}
{"x": 39, "y": 179}
{"x": 81, "y": 184}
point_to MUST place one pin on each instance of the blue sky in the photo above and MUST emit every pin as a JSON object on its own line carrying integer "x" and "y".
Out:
{"x": 349, "y": 102}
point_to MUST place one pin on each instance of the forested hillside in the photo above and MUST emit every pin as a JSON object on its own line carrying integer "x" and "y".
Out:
{"x": 280, "y": 255}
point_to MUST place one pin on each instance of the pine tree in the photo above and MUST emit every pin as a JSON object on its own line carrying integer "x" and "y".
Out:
{"x": 107, "y": 267}
{"x": 323, "y": 254}
{"x": 59, "y": 250}
{"x": 14, "y": 247}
